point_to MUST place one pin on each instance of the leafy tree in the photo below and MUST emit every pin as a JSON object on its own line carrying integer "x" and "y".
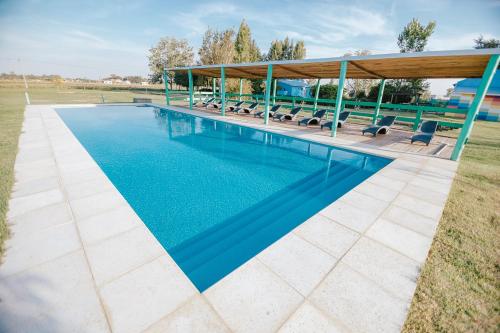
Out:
{"x": 327, "y": 91}
{"x": 169, "y": 52}
{"x": 482, "y": 43}
{"x": 393, "y": 92}
{"x": 245, "y": 47}
{"x": 217, "y": 47}
{"x": 415, "y": 36}
{"x": 247, "y": 51}
{"x": 359, "y": 88}
{"x": 286, "y": 50}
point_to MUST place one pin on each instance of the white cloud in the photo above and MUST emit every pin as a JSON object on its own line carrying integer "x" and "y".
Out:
{"x": 455, "y": 42}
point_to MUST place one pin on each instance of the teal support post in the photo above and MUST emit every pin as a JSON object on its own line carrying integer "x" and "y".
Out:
{"x": 190, "y": 77}
{"x": 274, "y": 90}
{"x": 418, "y": 117}
{"x": 213, "y": 87}
{"x": 167, "y": 95}
{"x": 268, "y": 93}
{"x": 241, "y": 90}
{"x": 316, "y": 95}
{"x": 338, "y": 101}
{"x": 488, "y": 74}
{"x": 223, "y": 91}
{"x": 379, "y": 101}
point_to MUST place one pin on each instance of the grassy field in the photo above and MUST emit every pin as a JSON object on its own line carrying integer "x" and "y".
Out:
{"x": 459, "y": 286}
{"x": 458, "y": 290}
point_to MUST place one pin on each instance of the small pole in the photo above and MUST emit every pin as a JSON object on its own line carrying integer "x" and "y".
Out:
{"x": 213, "y": 87}
{"x": 338, "y": 101}
{"x": 223, "y": 91}
{"x": 190, "y": 78}
{"x": 316, "y": 95}
{"x": 274, "y": 90}
{"x": 379, "y": 101}
{"x": 268, "y": 93}
{"x": 241, "y": 90}
{"x": 165, "y": 80}
{"x": 488, "y": 74}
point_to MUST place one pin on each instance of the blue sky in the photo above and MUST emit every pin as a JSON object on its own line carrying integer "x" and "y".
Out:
{"x": 95, "y": 38}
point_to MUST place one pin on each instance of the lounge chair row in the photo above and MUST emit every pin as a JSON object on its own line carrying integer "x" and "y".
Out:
{"x": 424, "y": 133}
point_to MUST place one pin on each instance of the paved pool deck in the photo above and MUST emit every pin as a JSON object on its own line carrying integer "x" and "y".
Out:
{"x": 79, "y": 259}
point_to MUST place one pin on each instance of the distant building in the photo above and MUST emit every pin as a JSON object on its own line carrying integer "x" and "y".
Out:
{"x": 297, "y": 88}
{"x": 144, "y": 83}
{"x": 465, "y": 90}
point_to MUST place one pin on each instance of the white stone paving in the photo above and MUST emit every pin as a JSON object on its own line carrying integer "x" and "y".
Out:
{"x": 81, "y": 260}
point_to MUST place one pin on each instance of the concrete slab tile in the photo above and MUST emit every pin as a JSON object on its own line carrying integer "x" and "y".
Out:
{"x": 85, "y": 189}
{"x": 333, "y": 238}
{"x": 36, "y": 248}
{"x": 408, "y": 242}
{"x": 145, "y": 295}
{"x": 195, "y": 316}
{"x": 370, "y": 205}
{"x": 377, "y": 191}
{"x": 411, "y": 220}
{"x": 96, "y": 204}
{"x": 309, "y": 319}
{"x": 37, "y": 220}
{"x": 359, "y": 303}
{"x": 57, "y": 296}
{"x": 28, "y": 187}
{"x": 25, "y": 204}
{"x": 253, "y": 299}
{"x": 349, "y": 216}
{"x": 389, "y": 269}
{"x": 110, "y": 223}
{"x": 115, "y": 256}
{"x": 298, "y": 262}
{"x": 418, "y": 206}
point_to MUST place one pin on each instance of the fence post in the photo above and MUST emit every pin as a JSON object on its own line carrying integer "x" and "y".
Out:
{"x": 190, "y": 78}
{"x": 316, "y": 95}
{"x": 241, "y": 90}
{"x": 274, "y": 91}
{"x": 167, "y": 95}
{"x": 213, "y": 87}
{"x": 338, "y": 101}
{"x": 268, "y": 93}
{"x": 418, "y": 117}
{"x": 488, "y": 74}
{"x": 379, "y": 100}
{"x": 223, "y": 91}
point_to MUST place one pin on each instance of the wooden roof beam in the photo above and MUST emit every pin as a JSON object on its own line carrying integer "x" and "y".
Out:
{"x": 296, "y": 71}
{"x": 366, "y": 70}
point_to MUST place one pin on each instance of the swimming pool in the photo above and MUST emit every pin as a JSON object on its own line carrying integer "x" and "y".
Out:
{"x": 214, "y": 194}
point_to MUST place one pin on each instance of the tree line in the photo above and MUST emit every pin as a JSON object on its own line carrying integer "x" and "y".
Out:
{"x": 230, "y": 46}
{"x": 219, "y": 47}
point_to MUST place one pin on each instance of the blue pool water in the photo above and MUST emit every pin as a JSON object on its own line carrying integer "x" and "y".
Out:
{"x": 214, "y": 194}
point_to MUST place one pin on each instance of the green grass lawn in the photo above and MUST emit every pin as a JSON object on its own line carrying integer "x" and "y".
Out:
{"x": 458, "y": 289}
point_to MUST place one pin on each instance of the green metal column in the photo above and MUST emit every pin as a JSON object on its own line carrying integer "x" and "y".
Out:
{"x": 167, "y": 95}
{"x": 379, "y": 100}
{"x": 274, "y": 91}
{"x": 338, "y": 101}
{"x": 213, "y": 87}
{"x": 488, "y": 74}
{"x": 268, "y": 93}
{"x": 223, "y": 91}
{"x": 241, "y": 90}
{"x": 190, "y": 77}
{"x": 316, "y": 95}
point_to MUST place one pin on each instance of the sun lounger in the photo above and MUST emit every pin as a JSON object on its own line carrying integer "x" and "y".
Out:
{"x": 247, "y": 109}
{"x": 342, "y": 119}
{"x": 425, "y": 132}
{"x": 383, "y": 126}
{"x": 235, "y": 106}
{"x": 287, "y": 116}
{"x": 272, "y": 111}
{"x": 314, "y": 120}
{"x": 207, "y": 101}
